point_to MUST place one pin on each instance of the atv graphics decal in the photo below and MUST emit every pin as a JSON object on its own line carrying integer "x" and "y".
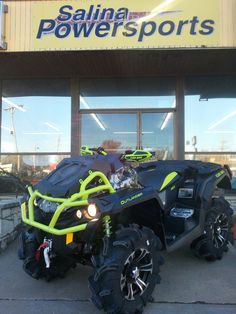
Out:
{"x": 168, "y": 179}
{"x": 220, "y": 173}
{"x": 130, "y": 199}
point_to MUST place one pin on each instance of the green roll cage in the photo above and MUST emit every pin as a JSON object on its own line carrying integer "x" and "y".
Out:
{"x": 77, "y": 199}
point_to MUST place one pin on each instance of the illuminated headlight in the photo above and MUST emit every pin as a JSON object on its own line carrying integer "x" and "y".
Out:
{"x": 92, "y": 210}
{"x": 48, "y": 207}
{"x": 79, "y": 214}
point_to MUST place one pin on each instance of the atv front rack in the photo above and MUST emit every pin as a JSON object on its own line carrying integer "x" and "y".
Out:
{"x": 77, "y": 199}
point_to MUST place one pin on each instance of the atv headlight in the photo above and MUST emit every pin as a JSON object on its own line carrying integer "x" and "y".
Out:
{"x": 92, "y": 210}
{"x": 79, "y": 214}
{"x": 48, "y": 207}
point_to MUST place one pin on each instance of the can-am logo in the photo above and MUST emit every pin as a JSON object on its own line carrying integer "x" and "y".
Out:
{"x": 104, "y": 22}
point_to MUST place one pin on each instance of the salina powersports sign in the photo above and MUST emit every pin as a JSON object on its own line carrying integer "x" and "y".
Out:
{"x": 113, "y": 24}
{"x": 125, "y": 24}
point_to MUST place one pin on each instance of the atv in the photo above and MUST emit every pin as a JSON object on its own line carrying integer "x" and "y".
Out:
{"x": 116, "y": 213}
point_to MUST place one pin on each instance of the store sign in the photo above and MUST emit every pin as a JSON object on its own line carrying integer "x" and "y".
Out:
{"x": 130, "y": 24}
{"x": 2, "y": 11}
{"x": 113, "y": 24}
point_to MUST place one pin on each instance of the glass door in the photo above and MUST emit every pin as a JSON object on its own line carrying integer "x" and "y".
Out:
{"x": 114, "y": 132}
{"x": 156, "y": 134}
{"x": 118, "y": 132}
{"x": 128, "y": 113}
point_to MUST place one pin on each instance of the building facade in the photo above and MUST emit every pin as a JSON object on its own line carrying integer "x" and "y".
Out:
{"x": 159, "y": 76}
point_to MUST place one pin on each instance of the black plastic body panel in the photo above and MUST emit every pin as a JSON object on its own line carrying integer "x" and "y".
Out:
{"x": 202, "y": 177}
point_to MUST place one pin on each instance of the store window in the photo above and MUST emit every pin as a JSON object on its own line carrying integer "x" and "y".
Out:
{"x": 121, "y": 114}
{"x": 35, "y": 126}
{"x": 36, "y": 116}
{"x": 210, "y": 119}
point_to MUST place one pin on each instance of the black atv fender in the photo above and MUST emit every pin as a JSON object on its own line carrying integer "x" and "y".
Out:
{"x": 116, "y": 203}
{"x": 209, "y": 185}
{"x": 139, "y": 206}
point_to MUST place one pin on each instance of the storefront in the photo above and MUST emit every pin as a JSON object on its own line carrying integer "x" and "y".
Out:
{"x": 159, "y": 76}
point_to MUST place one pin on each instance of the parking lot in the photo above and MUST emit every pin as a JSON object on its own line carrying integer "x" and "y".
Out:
{"x": 188, "y": 286}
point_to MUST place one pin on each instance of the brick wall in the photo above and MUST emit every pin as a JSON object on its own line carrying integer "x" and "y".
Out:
{"x": 10, "y": 220}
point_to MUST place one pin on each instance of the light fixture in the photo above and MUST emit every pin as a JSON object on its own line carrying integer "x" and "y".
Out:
{"x": 220, "y": 132}
{"x": 98, "y": 121}
{"x": 230, "y": 115}
{"x": 121, "y": 132}
{"x": 52, "y": 126}
{"x": 43, "y": 133}
{"x": 6, "y": 128}
{"x": 202, "y": 98}
{"x": 12, "y": 104}
{"x": 167, "y": 117}
{"x": 166, "y": 120}
{"x": 93, "y": 115}
{"x": 92, "y": 210}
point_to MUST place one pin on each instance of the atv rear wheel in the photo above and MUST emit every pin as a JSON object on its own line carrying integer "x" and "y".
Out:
{"x": 127, "y": 271}
{"x": 218, "y": 232}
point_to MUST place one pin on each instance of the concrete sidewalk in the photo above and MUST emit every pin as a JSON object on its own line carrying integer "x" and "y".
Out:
{"x": 188, "y": 286}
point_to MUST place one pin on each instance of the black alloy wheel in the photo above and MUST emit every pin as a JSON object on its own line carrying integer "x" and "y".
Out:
{"x": 220, "y": 228}
{"x": 136, "y": 273}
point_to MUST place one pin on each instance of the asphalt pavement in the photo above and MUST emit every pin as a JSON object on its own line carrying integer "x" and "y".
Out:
{"x": 188, "y": 286}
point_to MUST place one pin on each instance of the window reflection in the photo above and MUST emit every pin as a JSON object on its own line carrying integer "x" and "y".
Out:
{"x": 222, "y": 159}
{"x": 35, "y": 116}
{"x": 114, "y": 132}
{"x": 127, "y": 93}
{"x": 157, "y": 134}
{"x": 30, "y": 168}
{"x": 210, "y": 115}
{"x": 210, "y": 125}
{"x": 125, "y": 102}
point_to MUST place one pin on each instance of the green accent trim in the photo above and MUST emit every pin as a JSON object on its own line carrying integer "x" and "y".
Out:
{"x": 107, "y": 225}
{"x": 86, "y": 151}
{"x": 138, "y": 155}
{"x": 168, "y": 179}
{"x": 220, "y": 173}
{"x": 102, "y": 152}
{"x": 77, "y": 199}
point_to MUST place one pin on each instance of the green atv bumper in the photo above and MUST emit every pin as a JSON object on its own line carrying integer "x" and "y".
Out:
{"x": 76, "y": 200}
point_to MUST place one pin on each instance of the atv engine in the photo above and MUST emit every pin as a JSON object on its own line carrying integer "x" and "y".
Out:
{"x": 125, "y": 177}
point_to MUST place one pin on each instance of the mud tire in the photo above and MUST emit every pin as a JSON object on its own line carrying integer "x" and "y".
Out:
{"x": 111, "y": 267}
{"x": 218, "y": 232}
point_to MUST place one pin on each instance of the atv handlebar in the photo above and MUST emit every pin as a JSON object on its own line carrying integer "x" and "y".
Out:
{"x": 87, "y": 151}
{"x": 138, "y": 155}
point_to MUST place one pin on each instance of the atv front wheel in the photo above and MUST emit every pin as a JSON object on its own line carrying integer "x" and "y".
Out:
{"x": 127, "y": 271}
{"x": 218, "y": 232}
